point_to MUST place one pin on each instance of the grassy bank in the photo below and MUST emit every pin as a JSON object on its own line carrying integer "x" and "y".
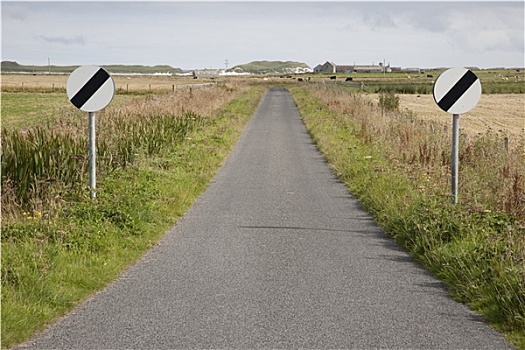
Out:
{"x": 399, "y": 170}
{"x": 58, "y": 247}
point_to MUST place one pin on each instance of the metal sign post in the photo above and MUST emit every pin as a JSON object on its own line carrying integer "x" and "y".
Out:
{"x": 455, "y": 157}
{"x": 92, "y": 157}
{"x": 456, "y": 91}
{"x": 90, "y": 88}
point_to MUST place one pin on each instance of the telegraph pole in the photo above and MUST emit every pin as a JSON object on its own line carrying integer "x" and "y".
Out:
{"x": 226, "y": 63}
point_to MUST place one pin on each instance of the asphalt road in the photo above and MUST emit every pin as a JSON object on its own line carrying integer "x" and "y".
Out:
{"x": 275, "y": 254}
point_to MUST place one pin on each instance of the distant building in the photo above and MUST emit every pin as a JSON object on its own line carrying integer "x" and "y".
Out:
{"x": 206, "y": 73}
{"x": 369, "y": 69}
{"x": 328, "y": 67}
{"x": 344, "y": 69}
{"x": 380, "y": 68}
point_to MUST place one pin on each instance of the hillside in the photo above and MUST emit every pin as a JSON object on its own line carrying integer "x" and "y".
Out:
{"x": 255, "y": 67}
{"x": 14, "y": 67}
{"x": 268, "y": 67}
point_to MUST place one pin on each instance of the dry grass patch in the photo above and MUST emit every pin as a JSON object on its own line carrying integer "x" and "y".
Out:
{"x": 123, "y": 83}
{"x": 502, "y": 115}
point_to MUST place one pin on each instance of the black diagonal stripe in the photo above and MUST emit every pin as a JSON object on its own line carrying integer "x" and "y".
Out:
{"x": 457, "y": 90}
{"x": 93, "y": 84}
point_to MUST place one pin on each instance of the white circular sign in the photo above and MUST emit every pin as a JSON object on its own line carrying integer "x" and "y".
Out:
{"x": 457, "y": 90}
{"x": 90, "y": 88}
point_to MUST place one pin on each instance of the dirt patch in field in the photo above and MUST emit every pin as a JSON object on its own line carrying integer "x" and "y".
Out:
{"x": 500, "y": 114}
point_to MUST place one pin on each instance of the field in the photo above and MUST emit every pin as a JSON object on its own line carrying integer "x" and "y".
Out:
{"x": 500, "y": 114}
{"x": 132, "y": 84}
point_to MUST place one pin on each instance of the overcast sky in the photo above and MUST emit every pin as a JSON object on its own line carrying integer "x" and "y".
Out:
{"x": 192, "y": 35}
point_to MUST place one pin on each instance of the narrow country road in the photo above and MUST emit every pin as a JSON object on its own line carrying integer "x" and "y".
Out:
{"x": 275, "y": 254}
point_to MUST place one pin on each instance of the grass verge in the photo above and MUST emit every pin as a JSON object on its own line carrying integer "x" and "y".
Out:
{"x": 50, "y": 264}
{"x": 476, "y": 248}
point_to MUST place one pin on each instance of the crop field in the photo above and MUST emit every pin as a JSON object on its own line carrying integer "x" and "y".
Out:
{"x": 500, "y": 114}
{"x": 131, "y": 84}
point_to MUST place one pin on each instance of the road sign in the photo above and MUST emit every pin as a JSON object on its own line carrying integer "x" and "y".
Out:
{"x": 90, "y": 88}
{"x": 457, "y": 90}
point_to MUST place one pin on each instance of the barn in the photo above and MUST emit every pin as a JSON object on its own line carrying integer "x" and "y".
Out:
{"x": 368, "y": 69}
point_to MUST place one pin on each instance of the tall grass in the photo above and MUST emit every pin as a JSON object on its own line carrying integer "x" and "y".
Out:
{"x": 34, "y": 159}
{"x": 399, "y": 168}
{"x": 42, "y": 161}
{"x": 491, "y": 177}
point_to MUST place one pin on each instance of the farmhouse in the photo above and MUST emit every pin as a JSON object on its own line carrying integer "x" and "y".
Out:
{"x": 328, "y": 67}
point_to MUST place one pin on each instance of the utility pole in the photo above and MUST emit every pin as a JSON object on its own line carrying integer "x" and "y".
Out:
{"x": 226, "y": 63}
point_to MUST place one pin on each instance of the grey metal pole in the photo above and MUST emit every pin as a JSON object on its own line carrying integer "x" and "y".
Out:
{"x": 455, "y": 157}
{"x": 92, "y": 157}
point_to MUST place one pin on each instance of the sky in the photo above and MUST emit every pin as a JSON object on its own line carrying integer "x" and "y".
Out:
{"x": 191, "y": 35}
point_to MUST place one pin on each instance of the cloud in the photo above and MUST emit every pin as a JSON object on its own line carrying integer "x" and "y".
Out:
{"x": 204, "y": 34}
{"x": 76, "y": 40}
{"x": 14, "y": 12}
{"x": 488, "y": 30}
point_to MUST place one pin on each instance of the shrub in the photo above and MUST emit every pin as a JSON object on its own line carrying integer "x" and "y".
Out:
{"x": 388, "y": 102}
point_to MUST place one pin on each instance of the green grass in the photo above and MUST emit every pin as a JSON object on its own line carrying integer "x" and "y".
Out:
{"x": 478, "y": 250}
{"x": 51, "y": 263}
{"x": 25, "y": 109}
{"x": 496, "y": 81}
